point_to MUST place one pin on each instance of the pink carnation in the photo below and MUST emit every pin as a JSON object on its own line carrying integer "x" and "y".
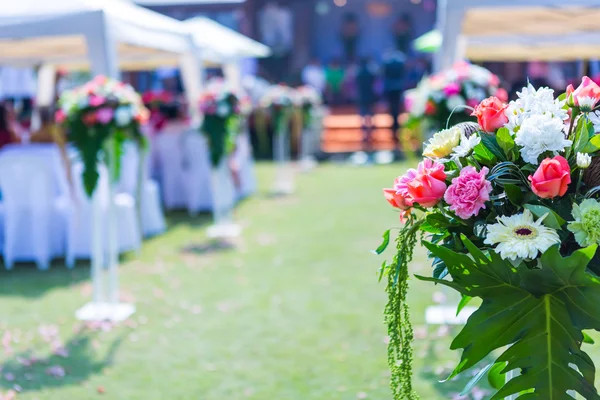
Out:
{"x": 104, "y": 115}
{"x": 469, "y": 192}
{"x": 452, "y": 89}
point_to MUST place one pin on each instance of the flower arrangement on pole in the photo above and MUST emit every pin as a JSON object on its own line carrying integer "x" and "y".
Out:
{"x": 279, "y": 102}
{"x": 310, "y": 100}
{"x": 449, "y": 97}
{"x": 222, "y": 107}
{"x": 509, "y": 211}
{"x": 99, "y": 117}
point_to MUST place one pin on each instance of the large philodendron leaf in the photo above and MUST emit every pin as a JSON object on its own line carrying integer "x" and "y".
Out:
{"x": 540, "y": 313}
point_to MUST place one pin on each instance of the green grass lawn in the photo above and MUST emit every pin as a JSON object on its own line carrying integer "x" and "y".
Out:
{"x": 294, "y": 312}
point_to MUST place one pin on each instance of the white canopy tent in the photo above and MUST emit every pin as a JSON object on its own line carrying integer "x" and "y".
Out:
{"x": 518, "y": 30}
{"x": 102, "y": 35}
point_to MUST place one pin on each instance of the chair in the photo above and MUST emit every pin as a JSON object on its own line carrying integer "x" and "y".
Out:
{"x": 36, "y": 211}
{"x": 170, "y": 155}
{"x": 80, "y": 228}
{"x": 245, "y": 159}
{"x": 152, "y": 220}
{"x": 197, "y": 174}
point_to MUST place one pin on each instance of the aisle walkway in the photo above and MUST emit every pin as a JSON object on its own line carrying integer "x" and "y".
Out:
{"x": 295, "y": 313}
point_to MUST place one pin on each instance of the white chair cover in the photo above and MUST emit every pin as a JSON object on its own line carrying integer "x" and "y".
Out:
{"x": 152, "y": 218}
{"x": 245, "y": 159}
{"x": 170, "y": 156}
{"x": 80, "y": 239}
{"x": 197, "y": 175}
{"x": 35, "y": 203}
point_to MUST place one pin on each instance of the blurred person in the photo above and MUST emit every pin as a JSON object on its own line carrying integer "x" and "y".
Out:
{"x": 313, "y": 75}
{"x": 349, "y": 35}
{"x": 416, "y": 70}
{"x": 174, "y": 118}
{"x": 334, "y": 76}
{"x": 8, "y": 134}
{"x": 365, "y": 83}
{"x": 403, "y": 33}
{"x": 394, "y": 84}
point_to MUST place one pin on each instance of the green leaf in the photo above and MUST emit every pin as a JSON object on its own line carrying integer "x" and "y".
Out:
{"x": 496, "y": 378}
{"x": 583, "y": 134}
{"x": 463, "y": 303}
{"x": 514, "y": 194}
{"x": 588, "y": 339}
{"x": 384, "y": 244}
{"x": 506, "y": 142}
{"x": 483, "y": 155}
{"x": 471, "y": 384}
{"x": 382, "y": 270}
{"x": 540, "y": 313}
{"x": 552, "y": 220}
{"x": 490, "y": 142}
{"x": 593, "y": 145}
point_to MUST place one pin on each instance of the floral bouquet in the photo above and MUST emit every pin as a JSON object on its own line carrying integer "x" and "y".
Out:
{"x": 222, "y": 107}
{"x": 100, "y": 116}
{"x": 448, "y": 98}
{"x": 279, "y": 101}
{"x": 309, "y": 99}
{"x": 509, "y": 211}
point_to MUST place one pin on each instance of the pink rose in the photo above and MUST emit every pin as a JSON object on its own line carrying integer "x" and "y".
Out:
{"x": 425, "y": 185}
{"x": 587, "y": 88}
{"x": 105, "y": 115}
{"x": 490, "y": 114}
{"x": 96, "y": 101}
{"x": 452, "y": 89}
{"x": 552, "y": 178}
{"x": 469, "y": 192}
{"x": 60, "y": 116}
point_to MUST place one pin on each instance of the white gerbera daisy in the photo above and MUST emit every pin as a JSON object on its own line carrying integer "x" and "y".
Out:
{"x": 520, "y": 237}
{"x": 539, "y": 134}
{"x": 442, "y": 143}
{"x": 586, "y": 103}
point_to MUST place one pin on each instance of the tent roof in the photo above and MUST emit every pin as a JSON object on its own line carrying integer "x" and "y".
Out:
{"x": 226, "y": 42}
{"x": 36, "y": 31}
{"x": 518, "y": 30}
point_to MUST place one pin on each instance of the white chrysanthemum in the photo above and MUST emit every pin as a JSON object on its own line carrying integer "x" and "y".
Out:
{"x": 442, "y": 143}
{"x": 455, "y": 103}
{"x": 595, "y": 118}
{"x": 539, "y": 134}
{"x": 532, "y": 102}
{"x": 583, "y": 160}
{"x": 466, "y": 145}
{"x": 520, "y": 237}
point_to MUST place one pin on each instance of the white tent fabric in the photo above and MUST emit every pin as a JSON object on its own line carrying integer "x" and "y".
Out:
{"x": 519, "y": 30}
{"x": 227, "y": 43}
{"x": 81, "y": 33}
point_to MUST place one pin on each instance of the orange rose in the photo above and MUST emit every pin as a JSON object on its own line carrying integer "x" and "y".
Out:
{"x": 490, "y": 114}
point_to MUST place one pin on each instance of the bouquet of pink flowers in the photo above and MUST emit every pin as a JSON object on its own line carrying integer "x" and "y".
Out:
{"x": 100, "y": 111}
{"x": 509, "y": 210}
{"x": 222, "y": 107}
{"x": 447, "y": 98}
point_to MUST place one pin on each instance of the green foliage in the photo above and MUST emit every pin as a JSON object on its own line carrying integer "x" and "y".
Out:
{"x": 507, "y": 144}
{"x": 221, "y": 133}
{"x": 397, "y": 316}
{"x": 540, "y": 313}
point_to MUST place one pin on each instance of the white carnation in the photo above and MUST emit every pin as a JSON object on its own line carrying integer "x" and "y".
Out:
{"x": 455, "y": 103}
{"x": 123, "y": 116}
{"x": 539, "y": 134}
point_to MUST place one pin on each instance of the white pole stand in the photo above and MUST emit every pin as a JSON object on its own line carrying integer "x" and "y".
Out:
{"x": 284, "y": 178}
{"x": 105, "y": 305}
{"x": 223, "y": 193}
{"x": 307, "y": 160}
